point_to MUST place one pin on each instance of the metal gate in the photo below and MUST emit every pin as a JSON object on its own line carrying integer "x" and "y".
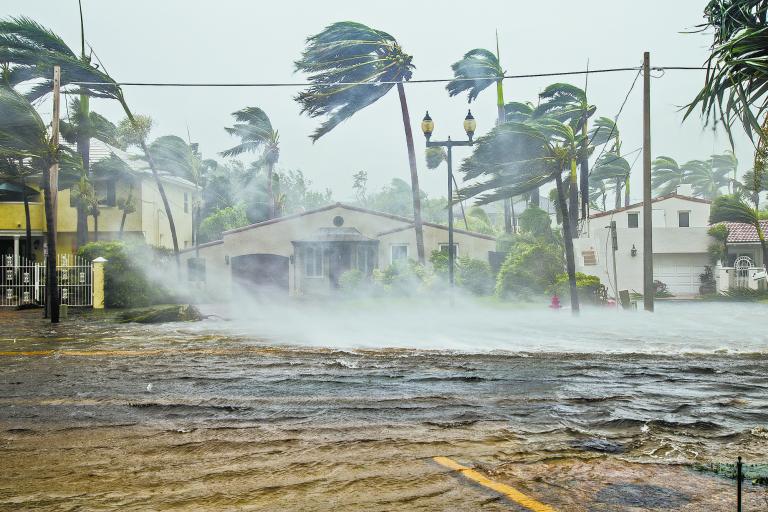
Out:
{"x": 22, "y": 281}
{"x": 741, "y": 270}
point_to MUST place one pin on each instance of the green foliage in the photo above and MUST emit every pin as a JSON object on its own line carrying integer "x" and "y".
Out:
{"x": 351, "y": 280}
{"x": 126, "y": 284}
{"x": 439, "y": 261}
{"x": 435, "y": 157}
{"x": 475, "y": 276}
{"x": 297, "y": 194}
{"x": 718, "y": 249}
{"x": 536, "y": 222}
{"x": 531, "y": 268}
{"x": 133, "y": 133}
{"x": 589, "y": 287}
{"x": 708, "y": 283}
{"x": 403, "y": 279}
{"x": 222, "y": 220}
{"x": 478, "y": 69}
{"x": 349, "y": 52}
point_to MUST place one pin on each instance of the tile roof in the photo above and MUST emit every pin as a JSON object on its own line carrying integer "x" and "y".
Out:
{"x": 740, "y": 233}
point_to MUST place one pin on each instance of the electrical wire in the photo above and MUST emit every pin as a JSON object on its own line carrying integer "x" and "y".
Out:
{"x": 387, "y": 82}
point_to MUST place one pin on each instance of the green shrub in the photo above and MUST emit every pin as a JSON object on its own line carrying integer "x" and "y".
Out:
{"x": 718, "y": 249}
{"x": 351, "y": 280}
{"x": 475, "y": 276}
{"x": 212, "y": 227}
{"x": 403, "y": 279}
{"x": 126, "y": 284}
{"x": 589, "y": 288}
{"x": 536, "y": 221}
{"x": 531, "y": 267}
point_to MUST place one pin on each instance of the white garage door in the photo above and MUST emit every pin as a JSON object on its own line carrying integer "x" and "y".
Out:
{"x": 680, "y": 272}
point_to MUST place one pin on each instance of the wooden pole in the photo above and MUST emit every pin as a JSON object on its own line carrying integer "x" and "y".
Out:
{"x": 648, "y": 288}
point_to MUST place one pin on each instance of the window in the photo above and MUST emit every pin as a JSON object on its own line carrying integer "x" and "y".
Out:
{"x": 196, "y": 269}
{"x": 399, "y": 253}
{"x": 589, "y": 257}
{"x": 313, "y": 262}
{"x": 105, "y": 193}
{"x": 633, "y": 220}
{"x": 444, "y": 250}
{"x": 364, "y": 259}
{"x": 684, "y": 219}
{"x": 186, "y": 202}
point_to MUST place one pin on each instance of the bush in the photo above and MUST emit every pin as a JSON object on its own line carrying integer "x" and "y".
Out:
{"x": 589, "y": 288}
{"x": 351, "y": 280}
{"x": 212, "y": 227}
{"x": 475, "y": 276}
{"x": 531, "y": 267}
{"x": 661, "y": 290}
{"x": 708, "y": 284}
{"x": 718, "y": 249}
{"x": 536, "y": 221}
{"x": 126, "y": 284}
{"x": 403, "y": 278}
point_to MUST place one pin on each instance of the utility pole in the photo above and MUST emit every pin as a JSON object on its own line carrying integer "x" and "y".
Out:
{"x": 615, "y": 247}
{"x": 52, "y": 203}
{"x": 648, "y": 288}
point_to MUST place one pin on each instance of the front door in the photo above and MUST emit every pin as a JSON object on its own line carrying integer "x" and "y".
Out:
{"x": 340, "y": 260}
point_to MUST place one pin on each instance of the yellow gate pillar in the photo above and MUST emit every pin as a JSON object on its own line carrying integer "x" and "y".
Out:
{"x": 98, "y": 283}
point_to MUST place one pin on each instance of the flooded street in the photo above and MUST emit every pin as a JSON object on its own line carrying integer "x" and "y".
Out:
{"x": 215, "y": 415}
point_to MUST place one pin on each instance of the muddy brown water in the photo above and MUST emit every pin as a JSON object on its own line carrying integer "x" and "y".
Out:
{"x": 236, "y": 422}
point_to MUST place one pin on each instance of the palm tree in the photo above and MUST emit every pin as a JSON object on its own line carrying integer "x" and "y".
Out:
{"x": 31, "y": 51}
{"x": 605, "y": 133}
{"x": 85, "y": 199}
{"x": 478, "y": 69}
{"x": 705, "y": 179}
{"x": 114, "y": 168}
{"x": 436, "y": 156}
{"x": 736, "y": 84}
{"x": 339, "y": 58}
{"x": 514, "y": 158}
{"x": 24, "y": 136}
{"x": 667, "y": 175}
{"x": 84, "y": 125}
{"x": 728, "y": 163}
{"x": 568, "y": 104}
{"x": 613, "y": 169}
{"x": 732, "y": 208}
{"x": 255, "y": 131}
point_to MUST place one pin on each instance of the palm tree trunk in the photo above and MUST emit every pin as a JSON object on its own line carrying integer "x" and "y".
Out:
{"x": 415, "y": 191}
{"x": 570, "y": 262}
{"x": 50, "y": 264}
{"x": 584, "y": 173}
{"x": 763, "y": 244}
{"x": 125, "y": 211}
{"x": 507, "y": 215}
{"x": 535, "y": 198}
{"x": 617, "y": 204}
{"x": 96, "y": 227}
{"x": 501, "y": 117}
{"x": 159, "y": 184}
{"x": 28, "y": 227}
{"x": 84, "y": 149}
{"x": 573, "y": 199}
{"x": 512, "y": 211}
{"x": 270, "y": 193}
{"x": 626, "y": 191}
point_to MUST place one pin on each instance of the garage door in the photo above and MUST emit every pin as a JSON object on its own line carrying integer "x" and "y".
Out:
{"x": 680, "y": 272}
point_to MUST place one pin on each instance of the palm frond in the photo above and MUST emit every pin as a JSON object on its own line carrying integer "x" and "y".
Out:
{"x": 478, "y": 69}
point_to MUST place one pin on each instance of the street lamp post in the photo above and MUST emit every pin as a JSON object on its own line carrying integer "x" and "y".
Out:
{"x": 428, "y": 126}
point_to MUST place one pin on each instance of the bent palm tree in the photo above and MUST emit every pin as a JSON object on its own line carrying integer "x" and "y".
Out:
{"x": 706, "y": 180}
{"x": 478, "y": 69}
{"x": 612, "y": 169}
{"x": 351, "y": 66}
{"x": 729, "y": 164}
{"x": 515, "y": 158}
{"x": 255, "y": 131}
{"x": 666, "y": 175}
{"x": 568, "y": 104}
{"x": 31, "y": 51}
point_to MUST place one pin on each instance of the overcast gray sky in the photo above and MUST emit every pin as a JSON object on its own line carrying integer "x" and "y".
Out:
{"x": 251, "y": 41}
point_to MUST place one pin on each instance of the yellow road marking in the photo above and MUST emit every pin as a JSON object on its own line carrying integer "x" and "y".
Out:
{"x": 510, "y": 492}
{"x": 127, "y": 353}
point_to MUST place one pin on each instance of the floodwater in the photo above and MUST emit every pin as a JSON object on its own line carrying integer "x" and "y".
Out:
{"x": 343, "y": 406}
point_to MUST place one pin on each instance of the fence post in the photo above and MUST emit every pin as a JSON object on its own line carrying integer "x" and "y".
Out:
{"x": 98, "y": 283}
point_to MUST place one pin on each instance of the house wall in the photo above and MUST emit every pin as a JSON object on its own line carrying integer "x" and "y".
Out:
{"x": 276, "y": 238}
{"x": 680, "y": 254}
{"x": 12, "y": 217}
{"x": 154, "y": 222}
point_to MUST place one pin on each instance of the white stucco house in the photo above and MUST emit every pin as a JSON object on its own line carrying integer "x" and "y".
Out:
{"x": 680, "y": 243}
{"x": 743, "y": 266}
{"x": 306, "y": 253}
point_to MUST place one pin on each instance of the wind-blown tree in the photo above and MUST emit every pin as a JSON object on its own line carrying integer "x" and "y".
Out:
{"x": 31, "y": 51}
{"x": 612, "y": 169}
{"x": 732, "y": 208}
{"x": 735, "y": 87}
{"x": 604, "y": 132}
{"x": 514, "y": 158}
{"x": 347, "y": 53}
{"x": 82, "y": 126}
{"x": 666, "y": 175}
{"x": 114, "y": 168}
{"x": 478, "y": 69}
{"x": 705, "y": 179}
{"x": 435, "y": 156}
{"x": 727, "y": 164}
{"x": 254, "y": 129}
{"x": 85, "y": 199}
{"x": 24, "y": 136}
{"x": 568, "y": 104}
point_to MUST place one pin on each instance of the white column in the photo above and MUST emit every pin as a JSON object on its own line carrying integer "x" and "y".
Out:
{"x": 16, "y": 250}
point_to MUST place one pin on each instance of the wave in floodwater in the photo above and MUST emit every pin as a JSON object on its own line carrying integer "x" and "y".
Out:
{"x": 675, "y": 328}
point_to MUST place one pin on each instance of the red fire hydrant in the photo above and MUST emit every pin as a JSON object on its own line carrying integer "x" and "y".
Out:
{"x": 555, "y": 304}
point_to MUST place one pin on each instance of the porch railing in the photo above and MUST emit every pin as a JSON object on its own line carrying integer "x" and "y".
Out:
{"x": 23, "y": 281}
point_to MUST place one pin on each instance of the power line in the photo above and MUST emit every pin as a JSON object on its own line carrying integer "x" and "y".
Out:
{"x": 389, "y": 82}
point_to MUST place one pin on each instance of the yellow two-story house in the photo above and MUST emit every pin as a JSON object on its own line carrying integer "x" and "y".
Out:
{"x": 148, "y": 222}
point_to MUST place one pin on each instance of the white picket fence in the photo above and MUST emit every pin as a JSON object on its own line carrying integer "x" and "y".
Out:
{"x": 22, "y": 281}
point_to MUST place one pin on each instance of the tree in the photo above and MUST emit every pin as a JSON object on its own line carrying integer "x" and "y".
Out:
{"x": 732, "y": 208}
{"x": 222, "y": 220}
{"x": 568, "y": 104}
{"x": 114, "y": 168}
{"x": 82, "y": 126}
{"x": 605, "y": 133}
{"x": 84, "y": 199}
{"x": 706, "y": 180}
{"x": 346, "y": 53}
{"x": 727, "y": 164}
{"x": 255, "y": 131}
{"x": 666, "y": 175}
{"x": 434, "y": 157}
{"x": 612, "y": 169}
{"x": 360, "y": 185}
{"x": 478, "y": 69}
{"x": 514, "y": 158}
{"x": 31, "y": 51}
